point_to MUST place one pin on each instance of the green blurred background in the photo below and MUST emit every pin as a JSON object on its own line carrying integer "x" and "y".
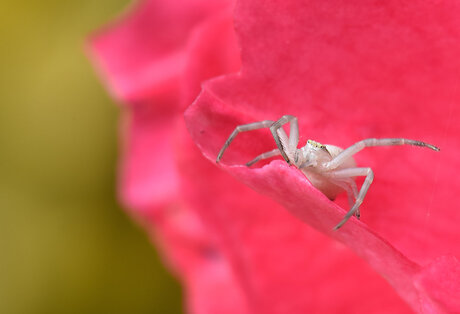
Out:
{"x": 65, "y": 244}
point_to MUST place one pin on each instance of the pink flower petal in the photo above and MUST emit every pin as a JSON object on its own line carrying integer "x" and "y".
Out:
{"x": 143, "y": 58}
{"x": 195, "y": 255}
{"x": 235, "y": 250}
{"x": 144, "y": 65}
{"x": 148, "y": 175}
{"x": 143, "y": 55}
{"x": 440, "y": 282}
{"x": 350, "y": 71}
{"x": 283, "y": 264}
{"x": 253, "y": 240}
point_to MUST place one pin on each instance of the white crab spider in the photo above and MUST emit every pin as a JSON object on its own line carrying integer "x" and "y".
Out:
{"x": 329, "y": 168}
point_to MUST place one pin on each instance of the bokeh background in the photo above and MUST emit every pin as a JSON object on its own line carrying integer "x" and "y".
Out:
{"x": 66, "y": 246}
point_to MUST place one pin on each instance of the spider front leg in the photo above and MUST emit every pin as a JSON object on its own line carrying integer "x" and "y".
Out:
{"x": 243, "y": 128}
{"x": 286, "y": 146}
{"x": 370, "y": 142}
{"x": 349, "y": 173}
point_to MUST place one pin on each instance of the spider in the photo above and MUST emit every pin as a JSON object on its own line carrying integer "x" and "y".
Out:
{"x": 329, "y": 168}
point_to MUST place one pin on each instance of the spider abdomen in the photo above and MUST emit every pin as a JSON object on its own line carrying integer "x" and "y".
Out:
{"x": 318, "y": 177}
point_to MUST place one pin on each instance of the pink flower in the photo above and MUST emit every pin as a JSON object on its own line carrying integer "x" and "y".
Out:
{"x": 348, "y": 71}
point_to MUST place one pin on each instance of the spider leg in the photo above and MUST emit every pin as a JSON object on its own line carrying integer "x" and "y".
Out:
{"x": 287, "y": 146}
{"x": 243, "y": 128}
{"x": 354, "y": 189}
{"x": 346, "y": 188}
{"x": 370, "y": 142}
{"x": 349, "y": 185}
{"x": 274, "y": 152}
{"x": 354, "y": 172}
